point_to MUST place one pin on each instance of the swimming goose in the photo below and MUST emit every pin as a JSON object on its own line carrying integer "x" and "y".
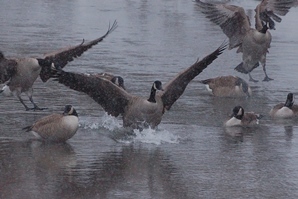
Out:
{"x": 56, "y": 127}
{"x": 285, "y": 110}
{"x": 253, "y": 43}
{"x": 137, "y": 112}
{"x": 18, "y": 75}
{"x": 227, "y": 86}
{"x": 239, "y": 118}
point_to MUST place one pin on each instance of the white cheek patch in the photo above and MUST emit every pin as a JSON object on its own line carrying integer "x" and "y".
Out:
{"x": 71, "y": 111}
{"x": 154, "y": 86}
{"x": 117, "y": 81}
{"x": 208, "y": 88}
{"x": 239, "y": 112}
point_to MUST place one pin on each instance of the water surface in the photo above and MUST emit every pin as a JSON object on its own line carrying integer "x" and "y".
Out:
{"x": 191, "y": 155}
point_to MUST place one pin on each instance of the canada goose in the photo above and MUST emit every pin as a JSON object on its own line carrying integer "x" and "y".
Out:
{"x": 227, "y": 86}
{"x": 118, "y": 80}
{"x": 56, "y": 127}
{"x": 239, "y": 118}
{"x": 285, "y": 110}
{"x": 253, "y": 43}
{"x": 18, "y": 75}
{"x": 137, "y": 112}
{"x": 270, "y": 9}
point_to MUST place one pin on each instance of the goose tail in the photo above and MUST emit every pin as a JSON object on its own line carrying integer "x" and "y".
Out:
{"x": 27, "y": 128}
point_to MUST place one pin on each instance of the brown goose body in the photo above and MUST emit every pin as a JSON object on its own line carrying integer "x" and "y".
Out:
{"x": 241, "y": 118}
{"x": 227, "y": 86}
{"x": 136, "y": 111}
{"x": 56, "y": 127}
{"x": 19, "y": 74}
{"x": 285, "y": 110}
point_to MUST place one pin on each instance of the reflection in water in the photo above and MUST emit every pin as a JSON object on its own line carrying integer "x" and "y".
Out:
{"x": 31, "y": 165}
{"x": 57, "y": 170}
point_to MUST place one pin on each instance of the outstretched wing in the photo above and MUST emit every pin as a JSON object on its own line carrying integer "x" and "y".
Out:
{"x": 175, "y": 88}
{"x": 232, "y": 20}
{"x": 271, "y": 10}
{"x": 61, "y": 57}
{"x": 111, "y": 97}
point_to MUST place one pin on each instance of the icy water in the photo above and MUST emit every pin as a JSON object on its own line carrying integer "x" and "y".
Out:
{"x": 191, "y": 155}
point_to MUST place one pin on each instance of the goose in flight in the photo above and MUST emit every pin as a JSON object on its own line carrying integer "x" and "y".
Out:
{"x": 252, "y": 42}
{"x": 18, "y": 74}
{"x": 137, "y": 112}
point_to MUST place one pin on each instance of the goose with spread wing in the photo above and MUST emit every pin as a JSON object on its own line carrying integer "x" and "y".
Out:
{"x": 136, "y": 112}
{"x": 252, "y": 42}
{"x": 18, "y": 74}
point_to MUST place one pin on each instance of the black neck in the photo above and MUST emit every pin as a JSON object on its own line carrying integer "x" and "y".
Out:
{"x": 239, "y": 117}
{"x": 152, "y": 96}
{"x": 264, "y": 29}
{"x": 289, "y": 103}
{"x": 74, "y": 113}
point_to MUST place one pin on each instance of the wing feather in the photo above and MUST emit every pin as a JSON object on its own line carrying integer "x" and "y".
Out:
{"x": 61, "y": 57}
{"x": 232, "y": 20}
{"x": 111, "y": 97}
{"x": 175, "y": 88}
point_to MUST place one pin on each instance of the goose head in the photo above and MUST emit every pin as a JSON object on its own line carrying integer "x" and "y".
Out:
{"x": 157, "y": 85}
{"x": 245, "y": 88}
{"x": 238, "y": 112}
{"x": 119, "y": 81}
{"x": 290, "y": 100}
{"x": 69, "y": 110}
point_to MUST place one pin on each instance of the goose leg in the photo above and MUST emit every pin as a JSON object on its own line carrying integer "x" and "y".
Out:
{"x": 251, "y": 79}
{"x": 266, "y": 79}
{"x": 21, "y": 100}
{"x": 35, "y": 107}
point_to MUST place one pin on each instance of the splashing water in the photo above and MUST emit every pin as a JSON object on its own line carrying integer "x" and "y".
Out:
{"x": 106, "y": 121}
{"x": 124, "y": 135}
{"x": 152, "y": 136}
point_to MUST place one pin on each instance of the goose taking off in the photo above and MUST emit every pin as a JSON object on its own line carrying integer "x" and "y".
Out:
{"x": 253, "y": 43}
{"x": 56, "y": 127}
{"x": 18, "y": 75}
{"x": 137, "y": 112}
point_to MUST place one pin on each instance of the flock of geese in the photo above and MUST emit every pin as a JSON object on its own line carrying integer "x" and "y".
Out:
{"x": 17, "y": 76}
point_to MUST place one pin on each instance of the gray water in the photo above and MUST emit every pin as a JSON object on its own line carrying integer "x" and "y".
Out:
{"x": 191, "y": 155}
